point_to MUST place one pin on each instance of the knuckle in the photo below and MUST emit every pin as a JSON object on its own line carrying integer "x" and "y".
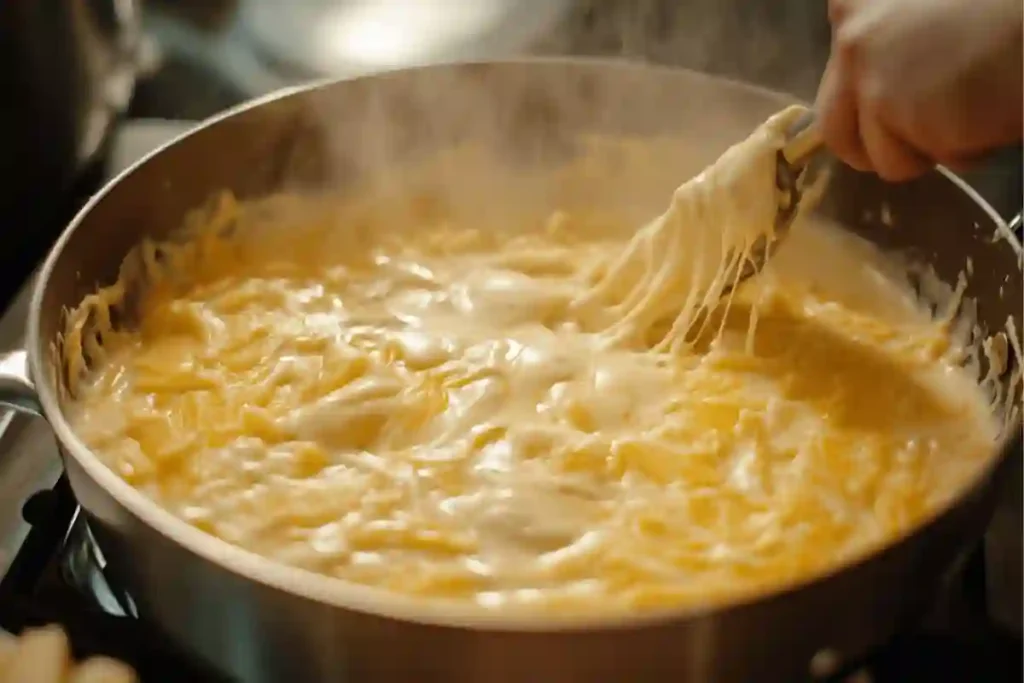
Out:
{"x": 848, "y": 43}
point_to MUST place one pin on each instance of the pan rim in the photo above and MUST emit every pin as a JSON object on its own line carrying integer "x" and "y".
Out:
{"x": 342, "y": 594}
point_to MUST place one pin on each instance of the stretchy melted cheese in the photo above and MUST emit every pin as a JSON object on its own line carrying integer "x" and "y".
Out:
{"x": 555, "y": 419}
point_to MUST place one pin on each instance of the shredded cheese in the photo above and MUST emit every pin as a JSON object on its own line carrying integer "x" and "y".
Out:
{"x": 554, "y": 419}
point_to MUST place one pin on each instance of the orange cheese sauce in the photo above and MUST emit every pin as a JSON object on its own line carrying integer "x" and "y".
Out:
{"x": 554, "y": 419}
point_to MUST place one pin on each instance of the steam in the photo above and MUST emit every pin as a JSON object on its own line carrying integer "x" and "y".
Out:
{"x": 410, "y": 133}
{"x": 779, "y": 44}
{"x": 503, "y": 146}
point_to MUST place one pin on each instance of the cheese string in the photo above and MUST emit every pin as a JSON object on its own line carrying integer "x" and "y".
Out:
{"x": 682, "y": 264}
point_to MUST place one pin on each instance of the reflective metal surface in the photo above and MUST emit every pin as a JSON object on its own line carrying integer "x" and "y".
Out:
{"x": 259, "y": 45}
{"x": 263, "y": 622}
{"x": 83, "y": 567}
{"x": 348, "y": 37}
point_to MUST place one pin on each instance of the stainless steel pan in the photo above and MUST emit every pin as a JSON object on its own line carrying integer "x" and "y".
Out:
{"x": 262, "y": 622}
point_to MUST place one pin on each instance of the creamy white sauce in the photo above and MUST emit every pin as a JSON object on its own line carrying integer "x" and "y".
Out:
{"x": 562, "y": 419}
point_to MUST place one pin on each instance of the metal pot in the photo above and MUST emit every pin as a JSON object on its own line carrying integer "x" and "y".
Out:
{"x": 259, "y": 621}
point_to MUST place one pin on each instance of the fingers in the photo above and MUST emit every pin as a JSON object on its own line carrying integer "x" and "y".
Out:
{"x": 852, "y": 116}
{"x": 888, "y": 155}
{"x": 889, "y": 103}
{"x": 836, "y": 106}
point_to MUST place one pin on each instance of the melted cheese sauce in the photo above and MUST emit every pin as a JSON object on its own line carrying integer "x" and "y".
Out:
{"x": 554, "y": 419}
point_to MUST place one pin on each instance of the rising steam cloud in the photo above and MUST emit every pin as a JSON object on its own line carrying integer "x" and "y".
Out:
{"x": 378, "y": 132}
{"x": 779, "y": 44}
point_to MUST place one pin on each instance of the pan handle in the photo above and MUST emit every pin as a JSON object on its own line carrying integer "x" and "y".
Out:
{"x": 17, "y": 391}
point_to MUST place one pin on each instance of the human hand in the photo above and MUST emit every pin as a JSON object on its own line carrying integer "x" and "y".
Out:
{"x": 914, "y": 83}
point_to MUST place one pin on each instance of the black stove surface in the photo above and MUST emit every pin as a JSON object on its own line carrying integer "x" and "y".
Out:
{"x": 39, "y": 589}
{"x": 57, "y": 578}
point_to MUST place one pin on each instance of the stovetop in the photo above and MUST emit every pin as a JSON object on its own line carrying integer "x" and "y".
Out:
{"x": 57, "y": 578}
{"x": 52, "y": 572}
